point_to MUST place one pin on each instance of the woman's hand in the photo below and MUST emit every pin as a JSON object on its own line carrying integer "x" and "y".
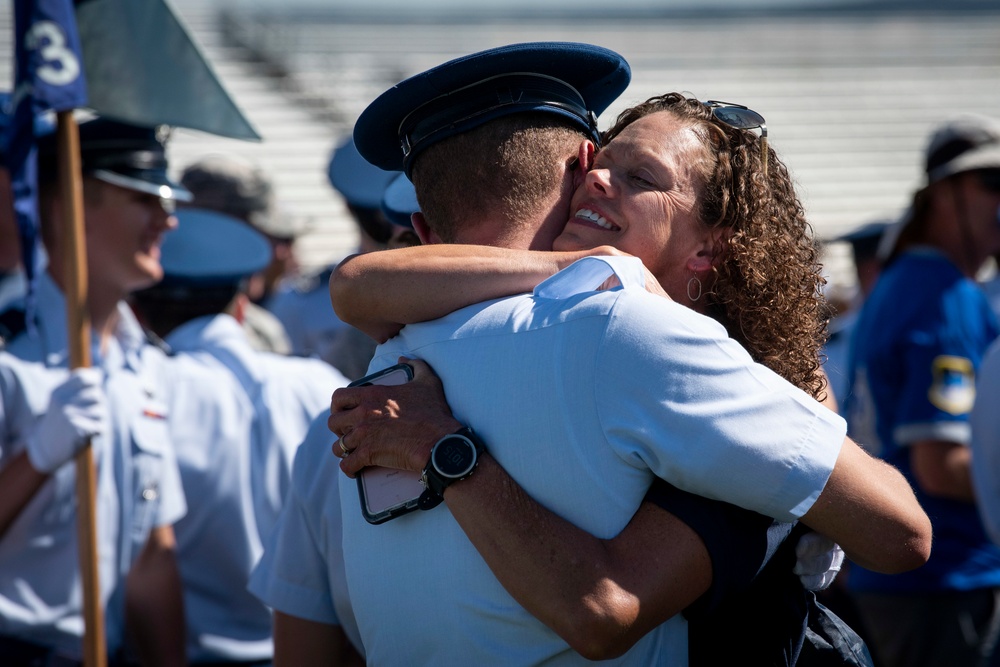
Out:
{"x": 652, "y": 284}
{"x": 391, "y": 426}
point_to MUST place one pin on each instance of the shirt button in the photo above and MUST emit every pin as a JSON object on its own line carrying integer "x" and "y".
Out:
{"x": 149, "y": 494}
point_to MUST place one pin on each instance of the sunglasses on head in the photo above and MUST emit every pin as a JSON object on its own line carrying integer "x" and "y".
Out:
{"x": 742, "y": 118}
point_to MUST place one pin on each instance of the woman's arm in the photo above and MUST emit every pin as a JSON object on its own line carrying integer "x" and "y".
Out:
{"x": 869, "y": 509}
{"x": 298, "y": 641}
{"x": 380, "y": 292}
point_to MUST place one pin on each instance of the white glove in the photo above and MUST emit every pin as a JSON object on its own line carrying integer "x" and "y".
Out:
{"x": 818, "y": 560}
{"x": 78, "y": 410}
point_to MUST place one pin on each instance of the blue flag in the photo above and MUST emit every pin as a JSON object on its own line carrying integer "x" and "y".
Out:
{"x": 48, "y": 76}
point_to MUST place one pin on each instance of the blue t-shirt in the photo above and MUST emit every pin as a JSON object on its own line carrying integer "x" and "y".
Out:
{"x": 919, "y": 341}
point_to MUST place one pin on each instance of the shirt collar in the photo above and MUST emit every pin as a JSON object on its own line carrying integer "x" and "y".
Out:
{"x": 210, "y": 329}
{"x": 54, "y": 328}
{"x": 587, "y": 274}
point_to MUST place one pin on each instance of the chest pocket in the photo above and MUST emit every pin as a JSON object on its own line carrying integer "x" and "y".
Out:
{"x": 150, "y": 439}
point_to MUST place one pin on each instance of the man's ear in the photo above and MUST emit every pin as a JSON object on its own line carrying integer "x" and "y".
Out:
{"x": 583, "y": 162}
{"x": 424, "y": 232}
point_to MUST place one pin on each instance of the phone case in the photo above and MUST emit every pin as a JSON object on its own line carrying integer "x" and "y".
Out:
{"x": 387, "y": 493}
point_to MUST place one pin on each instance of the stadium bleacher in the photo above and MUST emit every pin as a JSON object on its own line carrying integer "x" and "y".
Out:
{"x": 849, "y": 96}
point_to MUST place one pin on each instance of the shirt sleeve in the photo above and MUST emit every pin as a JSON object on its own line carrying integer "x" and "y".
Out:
{"x": 291, "y": 575}
{"x": 940, "y": 356}
{"x": 688, "y": 402}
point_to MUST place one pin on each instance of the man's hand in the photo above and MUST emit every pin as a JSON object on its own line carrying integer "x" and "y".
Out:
{"x": 78, "y": 410}
{"x": 818, "y": 560}
{"x": 392, "y": 426}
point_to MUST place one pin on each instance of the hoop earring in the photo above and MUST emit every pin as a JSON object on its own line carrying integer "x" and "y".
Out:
{"x": 694, "y": 281}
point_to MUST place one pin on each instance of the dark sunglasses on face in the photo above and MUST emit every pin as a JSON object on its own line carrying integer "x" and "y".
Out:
{"x": 742, "y": 118}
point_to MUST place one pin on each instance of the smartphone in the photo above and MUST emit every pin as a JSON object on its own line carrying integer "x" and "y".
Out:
{"x": 387, "y": 493}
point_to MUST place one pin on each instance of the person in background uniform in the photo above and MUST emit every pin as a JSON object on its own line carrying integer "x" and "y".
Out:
{"x": 304, "y": 306}
{"x": 237, "y": 417}
{"x": 48, "y": 413}
{"x": 867, "y": 264}
{"x": 239, "y": 188}
{"x": 919, "y": 341}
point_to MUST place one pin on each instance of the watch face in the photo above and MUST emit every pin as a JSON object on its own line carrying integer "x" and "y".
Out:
{"x": 454, "y": 457}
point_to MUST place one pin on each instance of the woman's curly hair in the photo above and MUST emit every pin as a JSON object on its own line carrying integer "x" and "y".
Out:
{"x": 767, "y": 290}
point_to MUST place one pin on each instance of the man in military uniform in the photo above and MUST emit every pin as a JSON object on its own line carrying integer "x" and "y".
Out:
{"x": 237, "y": 417}
{"x": 243, "y": 190}
{"x": 49, "y": 412}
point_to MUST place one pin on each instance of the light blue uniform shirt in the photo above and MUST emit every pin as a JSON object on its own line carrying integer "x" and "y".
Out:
{"x": 583, "y": 397}
{"x": 238, "y": 415}
{"x": 314, "y": 330}
{"x": 138, "y": 483}
{"x": 302, "y": 571}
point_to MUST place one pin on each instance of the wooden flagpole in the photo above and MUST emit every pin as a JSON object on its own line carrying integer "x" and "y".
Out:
{"x": 78, "y": 321}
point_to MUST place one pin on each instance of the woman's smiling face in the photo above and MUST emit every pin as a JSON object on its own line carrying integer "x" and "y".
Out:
{"x": 642, "y": 196}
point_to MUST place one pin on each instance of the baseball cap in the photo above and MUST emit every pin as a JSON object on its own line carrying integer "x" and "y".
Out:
{"x": 241, "y": 189}
{"x": 964, "y": 143}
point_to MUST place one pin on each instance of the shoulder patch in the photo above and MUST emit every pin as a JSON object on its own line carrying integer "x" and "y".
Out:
{"x": 954, "y": 386}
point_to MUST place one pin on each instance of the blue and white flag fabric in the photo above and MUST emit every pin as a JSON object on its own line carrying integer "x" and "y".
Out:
{"x": 48, "y": 76}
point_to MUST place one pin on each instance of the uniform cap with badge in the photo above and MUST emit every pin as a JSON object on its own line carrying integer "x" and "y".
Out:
{"x": 129, "y": 156}
{"x": 573, "y": 81}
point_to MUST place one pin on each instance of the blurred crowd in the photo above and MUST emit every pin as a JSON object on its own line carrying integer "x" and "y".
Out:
{"x": 215, "y": 358}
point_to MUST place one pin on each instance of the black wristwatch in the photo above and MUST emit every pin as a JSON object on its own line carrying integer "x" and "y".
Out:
{"x": 453, "y": 458}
